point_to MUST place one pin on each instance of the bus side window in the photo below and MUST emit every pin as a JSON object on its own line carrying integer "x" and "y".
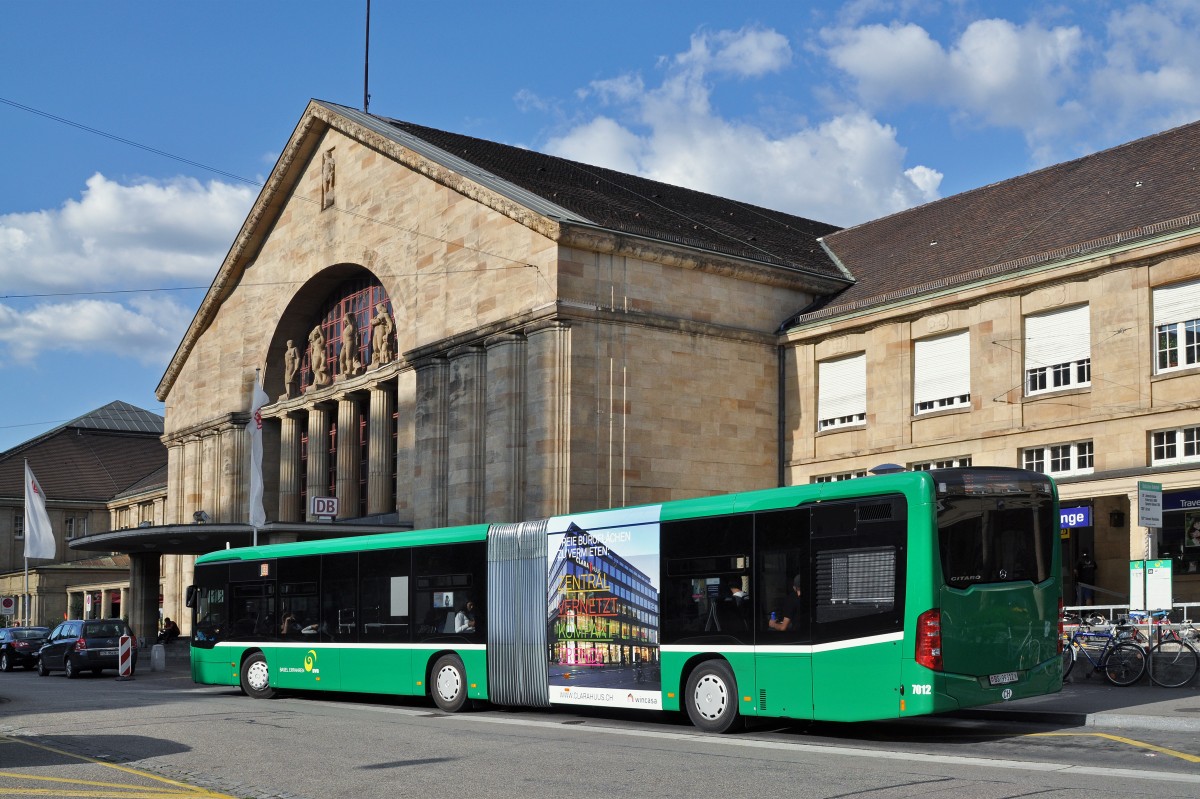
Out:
{"x": 781, "y": 539}
{"x": 702, "y": 560}
{"x": 858, "y": 568}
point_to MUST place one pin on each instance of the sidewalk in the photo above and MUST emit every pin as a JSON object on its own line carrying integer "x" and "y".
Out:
{"x": 1094, "y": 702}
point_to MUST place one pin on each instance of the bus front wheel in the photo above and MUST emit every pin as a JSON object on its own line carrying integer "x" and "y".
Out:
{"x": 711, "y": 697}
{"x": 256, "y": 677}
{"x": 449, "y": 683}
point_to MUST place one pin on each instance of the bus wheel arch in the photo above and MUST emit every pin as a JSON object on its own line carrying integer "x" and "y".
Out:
{"x": 255, "y": 675}
{"x": 710, "y": 695}
{"x": 448, "y": 682}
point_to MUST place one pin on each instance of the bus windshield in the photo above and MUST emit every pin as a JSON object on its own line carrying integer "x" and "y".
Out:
{"x": 995, "y": 527}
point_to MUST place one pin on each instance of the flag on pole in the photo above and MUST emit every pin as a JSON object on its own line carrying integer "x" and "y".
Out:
{"x": 39, "y": 536}
{"x": 258, "y": 516}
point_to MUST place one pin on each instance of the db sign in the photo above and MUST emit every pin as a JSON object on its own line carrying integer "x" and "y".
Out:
{"x": 323, "y": 506}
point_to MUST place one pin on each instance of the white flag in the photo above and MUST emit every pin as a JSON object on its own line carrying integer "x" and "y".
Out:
{"x": 39, "y": 536}
{"x": 258, "y": 516}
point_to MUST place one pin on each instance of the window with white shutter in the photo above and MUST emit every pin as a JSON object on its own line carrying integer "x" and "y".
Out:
{"x": 942, "y": 373}
{"x": 1058, "y": 350}
{"x": 842, "y": 392}
{"x": 1177, "y": 326}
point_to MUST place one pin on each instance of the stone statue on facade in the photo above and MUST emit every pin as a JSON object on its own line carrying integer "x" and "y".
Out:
{"x": 291, "y": 370}
{"x": 348, "y": 362}
{"x": 381, "y": 336}
{"x": 327, "y": 179}
{"x": 316, "y": 358}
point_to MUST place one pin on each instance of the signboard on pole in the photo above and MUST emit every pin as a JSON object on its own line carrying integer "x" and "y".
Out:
{"x": 1137, "y": 585}
{"x": 1149, "y": 504}
{"x": 1158, "y": 585}
{"x": 8, "y": 606}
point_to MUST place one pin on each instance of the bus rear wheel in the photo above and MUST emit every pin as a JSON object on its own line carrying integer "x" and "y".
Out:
{"x": 449, "y": 683}
{"x": 711, "y": 697}
{"x": 256, "y": 677}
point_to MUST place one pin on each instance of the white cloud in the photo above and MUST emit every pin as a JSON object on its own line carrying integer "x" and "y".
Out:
{"x": 123, "y": 236}
{"x": 846, "y": 170}
{"x": 1151, "y": 66}
{"x": 139, "y": 236}
{"x": 749, "y": 52}
{"x": 996, "y": 73}
{"x": 146, "y": 330}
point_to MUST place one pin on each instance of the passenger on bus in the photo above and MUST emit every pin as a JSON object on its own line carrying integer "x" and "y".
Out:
{"x": 289, "y": 628}
{"x": 793, "y": 609}
{"x": 464, "y": 622}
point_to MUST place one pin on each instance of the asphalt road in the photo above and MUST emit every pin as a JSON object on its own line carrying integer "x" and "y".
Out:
{"x": 160, "y": 735}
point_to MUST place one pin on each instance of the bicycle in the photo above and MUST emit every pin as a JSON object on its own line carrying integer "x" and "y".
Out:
{"x": 1173, "y": 661}
{"x": 1122, "y": 662}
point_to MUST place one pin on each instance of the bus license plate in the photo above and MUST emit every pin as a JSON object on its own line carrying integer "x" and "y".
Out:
{"x": 1002, "y": 679}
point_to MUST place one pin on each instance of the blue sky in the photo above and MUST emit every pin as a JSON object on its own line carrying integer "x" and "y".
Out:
{"x": 134, "y": 133}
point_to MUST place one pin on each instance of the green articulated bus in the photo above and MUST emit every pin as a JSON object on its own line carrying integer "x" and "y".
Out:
{"x": 875, "y": 598}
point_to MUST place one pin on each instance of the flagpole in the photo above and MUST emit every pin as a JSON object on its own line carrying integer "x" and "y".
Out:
{"x": 257, "y": 420}
{"x": 25, "y": 599}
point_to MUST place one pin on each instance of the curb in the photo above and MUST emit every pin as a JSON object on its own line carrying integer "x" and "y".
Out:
{"x": 1099, "y": 721}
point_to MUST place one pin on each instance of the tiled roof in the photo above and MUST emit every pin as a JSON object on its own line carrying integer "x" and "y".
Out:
{"x": 1133, "y": 191}
{"x": 633, "y": 205}
{"x": 121, "y": 417}
{"x": 92, "y": 458}
{"x": 154, "y": 480}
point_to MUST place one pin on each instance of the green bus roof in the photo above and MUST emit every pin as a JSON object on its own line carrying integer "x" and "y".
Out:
{"x": 357, "y": 543}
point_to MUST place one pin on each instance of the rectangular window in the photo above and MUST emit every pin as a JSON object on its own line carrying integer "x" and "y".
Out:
{"x": 1058, "y": 350}
{"x": 942, "y": 373}
{"x": 842, "y": 392}
{"x": 70, "y": 523}
{"x": 1181, "y": 445}
{"x": 1064, "y": 460}
{"x": 949, "y": 463}
{"x": 1177, "y": 326}
{"x": 19, "y": 524}
{"x": 835, "y": 478}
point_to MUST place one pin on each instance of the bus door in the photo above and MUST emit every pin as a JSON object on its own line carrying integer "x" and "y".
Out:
{"x": 783, "y": 662}
{"x": 857, "y": 600}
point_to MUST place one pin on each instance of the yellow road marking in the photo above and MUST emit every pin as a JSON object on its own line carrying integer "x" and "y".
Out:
{"x": 1119, "y": 739}
{"x": 147, "y": 792}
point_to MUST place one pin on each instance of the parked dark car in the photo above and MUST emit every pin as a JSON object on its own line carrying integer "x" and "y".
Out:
{"x": 86, "y": 645}
{"x": 19, "y": 646}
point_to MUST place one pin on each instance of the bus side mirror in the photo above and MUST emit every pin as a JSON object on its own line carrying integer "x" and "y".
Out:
{"x": 191, "y": 596}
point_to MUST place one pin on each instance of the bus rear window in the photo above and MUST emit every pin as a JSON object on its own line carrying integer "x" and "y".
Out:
{"x": 996, "y": 539}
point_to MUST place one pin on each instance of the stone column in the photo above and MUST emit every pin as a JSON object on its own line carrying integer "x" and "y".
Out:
{"x": 232, "y": 502}
{"x": 347, "y": 457}
{"x": 175, "y": 485}
{"x": 318, "y": 454}
{"x": 465, "y": 433}
{"x": 144, "y": 575}
{"x": 289, "y": 469}
{"x": 548, "y": 419}
{"x": 406, "y": 446}
{"x": 430, "y": 461}
{"x": 381, "y": 454}
{"x": 504, "y": 434}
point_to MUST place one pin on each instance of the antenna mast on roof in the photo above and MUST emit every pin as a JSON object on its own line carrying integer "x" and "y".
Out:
{"x": 367, "y": 62}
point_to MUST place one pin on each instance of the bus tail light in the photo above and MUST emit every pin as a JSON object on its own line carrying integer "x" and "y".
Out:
{"x": 929, "y": 639}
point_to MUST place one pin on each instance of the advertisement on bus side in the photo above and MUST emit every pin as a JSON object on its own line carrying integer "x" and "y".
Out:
{"x": 602, "y": 609}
